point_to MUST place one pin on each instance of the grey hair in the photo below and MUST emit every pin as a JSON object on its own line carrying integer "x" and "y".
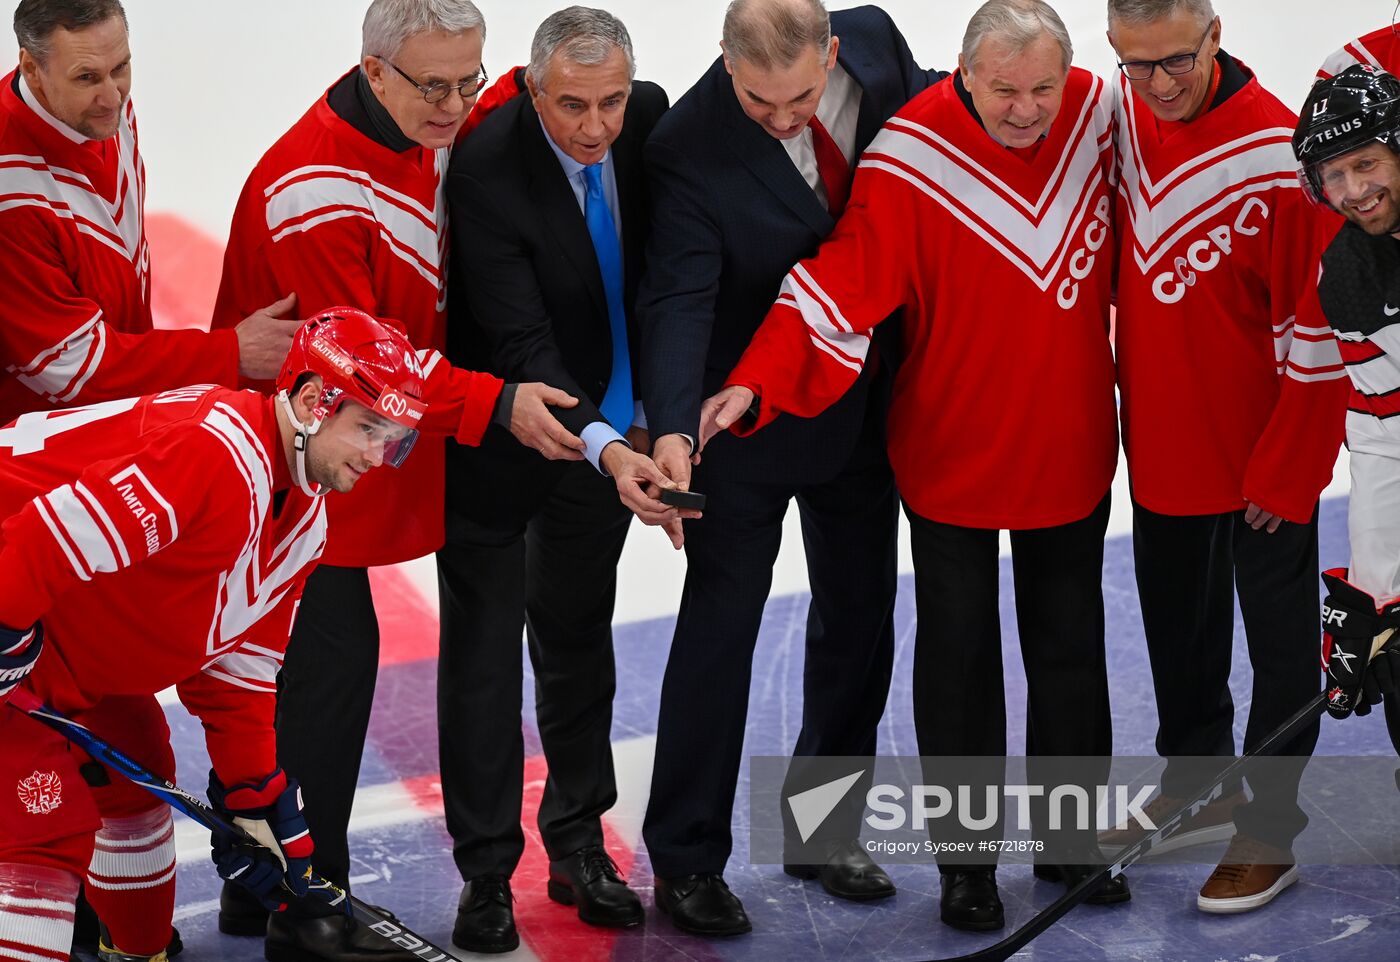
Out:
{"x": 1146, "y": 11}
{"x": 36, "y": 20}
{"x": 1018, "y": 22}
{"x": 389, "y": 23}
{"x": 582, "y": 35}
{"x": 774, "y": 33}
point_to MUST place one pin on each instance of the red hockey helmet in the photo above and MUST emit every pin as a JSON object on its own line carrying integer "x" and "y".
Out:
{"x": 361, "y": 359}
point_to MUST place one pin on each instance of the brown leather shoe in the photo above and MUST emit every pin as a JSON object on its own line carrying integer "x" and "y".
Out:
{"x": 1250, "y": 875}
{"x": 1214, "y": 823}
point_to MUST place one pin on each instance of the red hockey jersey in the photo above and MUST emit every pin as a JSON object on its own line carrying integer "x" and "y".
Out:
{"x": 161, "y": 542}
{"x": 1379, "y": 48}
{"x": 344, "y": 221}
{"x": 1003, "y": 410}
{"x": 1226, "y": 399}
{"x": 75, "y": 315}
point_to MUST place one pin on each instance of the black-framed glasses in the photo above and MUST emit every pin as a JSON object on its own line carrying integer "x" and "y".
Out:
{"x": 1174, "y": 66}
{"x": 436, "y": 93}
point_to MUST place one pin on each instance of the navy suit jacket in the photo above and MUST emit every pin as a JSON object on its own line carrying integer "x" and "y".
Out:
{"x": 525, "y": 296}
{"x": 730, "y": 216}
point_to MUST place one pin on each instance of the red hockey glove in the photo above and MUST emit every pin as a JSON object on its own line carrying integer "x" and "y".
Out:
{"x": 19, "y": 650}
{"x": 1353, "y": 629}
{"x": 271, "y": 812}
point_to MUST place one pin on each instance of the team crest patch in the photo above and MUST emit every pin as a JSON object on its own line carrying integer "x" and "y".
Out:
{"x": 41, "y": 792}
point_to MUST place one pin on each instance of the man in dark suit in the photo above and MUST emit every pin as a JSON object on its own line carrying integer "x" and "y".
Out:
{"x": 550, "y": 218}
{"x": 748, "y": 173}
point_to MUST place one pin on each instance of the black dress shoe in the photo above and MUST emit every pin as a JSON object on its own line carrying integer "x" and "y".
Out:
{"x": 702, "y": 905}
{"x": 970, "y": 901}
{"x": 329, "y": 938}
{"x": 588, "y": 878}
{"x": 486, "y": 916}
{"x": 848, "y": 873}
{"x": 240, "y": 913}
{"x": 1112, "y": 892}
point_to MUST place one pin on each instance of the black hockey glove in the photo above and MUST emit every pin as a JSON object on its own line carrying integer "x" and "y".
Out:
{"x": 19, "y": 650}
{"x": 1353, "y": 629}
{"x": 270, "y": 811}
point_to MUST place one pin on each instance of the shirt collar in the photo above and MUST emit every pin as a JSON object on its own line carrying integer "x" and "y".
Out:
{"x": 48, "y": 118}
{"x": 572, "y": 168}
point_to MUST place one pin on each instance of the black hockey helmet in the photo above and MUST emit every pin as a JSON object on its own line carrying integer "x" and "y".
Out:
{"x": 1359, "y": 106}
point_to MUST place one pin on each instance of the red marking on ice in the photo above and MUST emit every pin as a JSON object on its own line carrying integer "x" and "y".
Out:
{"x": 408, "y": 627}
{"x": 185, "y": 268}
{"x": 550, "y": 930}
{"x": 186, "y": 264}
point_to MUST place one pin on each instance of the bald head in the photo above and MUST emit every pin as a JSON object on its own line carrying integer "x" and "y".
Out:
{"x": 774, "y": 34}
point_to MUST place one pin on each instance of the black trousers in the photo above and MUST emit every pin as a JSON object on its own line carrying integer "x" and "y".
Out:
{"x": 959, "y": 689}
{"x": 554, "y": 575}
{"x": 849, "y": 533}
{"x": 1189, "y": 570}
{"x": 324, "y": 695}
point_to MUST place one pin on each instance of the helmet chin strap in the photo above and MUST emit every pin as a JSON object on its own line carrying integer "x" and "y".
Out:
{"x": 299, "y": 442}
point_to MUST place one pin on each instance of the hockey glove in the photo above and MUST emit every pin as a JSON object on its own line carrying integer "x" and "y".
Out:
{"x": 1353, "y": 631}
{"x": 19, "y": 650}
{"x": 271, "y": 812}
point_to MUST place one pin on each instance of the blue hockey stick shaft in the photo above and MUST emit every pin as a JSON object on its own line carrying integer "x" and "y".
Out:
{"x": 198, "y": 810}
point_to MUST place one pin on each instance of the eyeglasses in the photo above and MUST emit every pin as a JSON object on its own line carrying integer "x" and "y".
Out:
{"x": 1174, "y": 66}
{"x": 435, "y": 93}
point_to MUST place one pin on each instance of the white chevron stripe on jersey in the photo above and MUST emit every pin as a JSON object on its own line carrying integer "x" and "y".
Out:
{"x": 250, "y": 588}
{"x": 314, "y": 195}
{"x": 60, "y": 372}
{"x": 1035, "y": 235}
{"x": 1164, "y": 212}
{"x": 27, "y": 181}
{"x": 248, "y": 666}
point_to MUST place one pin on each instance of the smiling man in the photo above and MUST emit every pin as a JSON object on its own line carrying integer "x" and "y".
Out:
{"x": 749, "y": 173}
{"x": 1005, "y": 425}
{"x": 550, "y": 219}
{"x": 75, "y": 268}
{"x": 348, "y": 207}
{"x": 1346, "y": 144}
{"x": 1228, "y": 409}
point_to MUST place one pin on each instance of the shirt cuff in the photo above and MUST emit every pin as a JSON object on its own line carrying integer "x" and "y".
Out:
{"x": 505, "y": 404}
{"x": 596, "y": 437}
{"x": 639, "y": 417}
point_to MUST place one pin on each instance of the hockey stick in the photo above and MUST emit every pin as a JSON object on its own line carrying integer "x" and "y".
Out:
{"x": 394, "y": 932}
{"x": 1057, "y": 909}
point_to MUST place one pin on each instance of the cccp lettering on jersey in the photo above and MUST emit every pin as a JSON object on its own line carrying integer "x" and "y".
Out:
{"x": 1081, "y": 262}
{"x": 1205, "y": 253}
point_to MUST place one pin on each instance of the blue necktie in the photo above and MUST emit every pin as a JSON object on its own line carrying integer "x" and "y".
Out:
{"x": 617, "y": 406}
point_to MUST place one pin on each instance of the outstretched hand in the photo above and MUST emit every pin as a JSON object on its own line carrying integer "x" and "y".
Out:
{"x": 722, "y": 410}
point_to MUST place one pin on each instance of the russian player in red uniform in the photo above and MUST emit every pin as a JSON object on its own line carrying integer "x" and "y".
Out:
{"x": 161, "y": 541}
{"x": 1225, "y": 401}
{"x": 75, "y": 321}
{"x": 348, "y": 207}
{"x": 1348, "y": 145}
{"x": 1003, "y": 412}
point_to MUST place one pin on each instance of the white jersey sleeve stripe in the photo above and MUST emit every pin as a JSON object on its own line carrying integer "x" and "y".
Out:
{"x": 84, "y": 532}
{"x": 114, "y": 537}
{"x": 61, "y": 536}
